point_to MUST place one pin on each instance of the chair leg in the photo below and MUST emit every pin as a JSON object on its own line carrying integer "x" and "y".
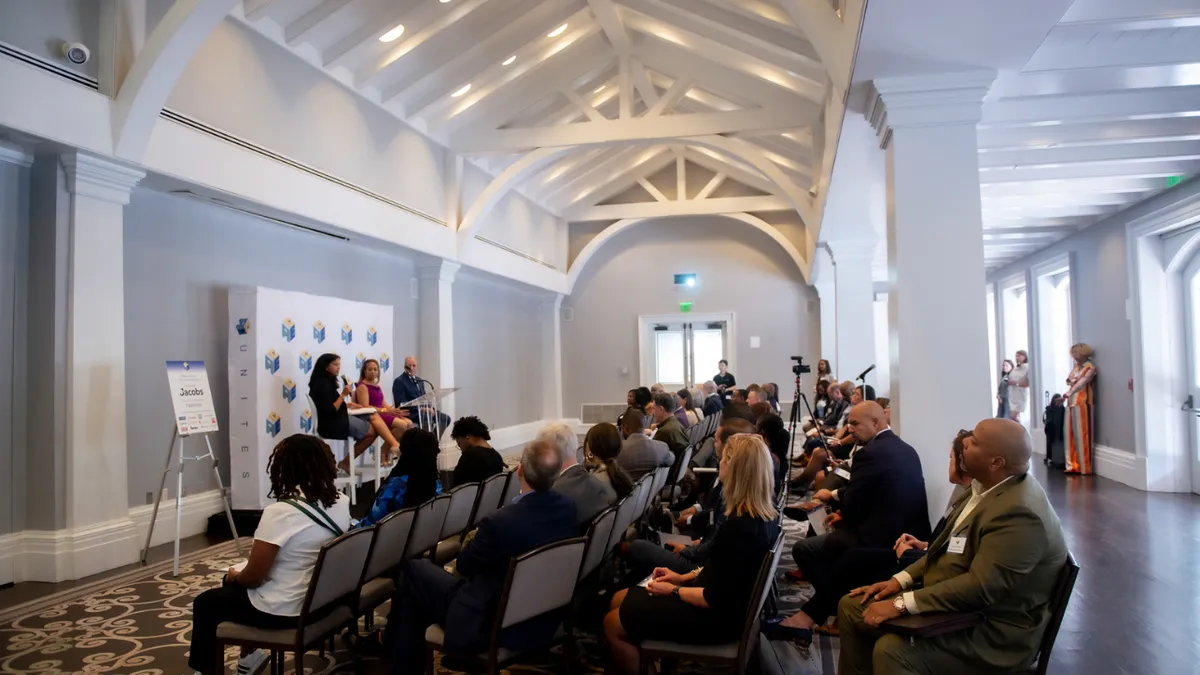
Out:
{"x": 221, "y": 657}
{"x": 429, "y": 669}
{"x": 299, "y": 662}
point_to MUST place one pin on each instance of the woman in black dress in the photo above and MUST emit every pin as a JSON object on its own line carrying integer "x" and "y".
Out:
{"x": 707, "y": 605}
{"x": 333, "y": 420}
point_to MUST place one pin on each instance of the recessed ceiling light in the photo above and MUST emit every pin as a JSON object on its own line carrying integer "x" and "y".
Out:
{"x": 558, "y": 31}
{"x": 599, "y": 89}
{"x": 443, "y": 1}
{"x": 509, "y": 60}
{"x": 460, "y": 92}
{"x": 392, "y": 34}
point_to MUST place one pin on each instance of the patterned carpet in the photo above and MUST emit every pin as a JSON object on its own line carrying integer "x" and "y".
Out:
{"x": 139, "y": 623}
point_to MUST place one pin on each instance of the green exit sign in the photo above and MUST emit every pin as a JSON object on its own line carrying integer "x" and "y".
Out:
{"x": 1172, "y": 181}
{"x": 685, "y": 307}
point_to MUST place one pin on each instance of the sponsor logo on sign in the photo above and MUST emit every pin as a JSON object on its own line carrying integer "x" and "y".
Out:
{"x": 347, "y": 334}
{"x": 319, "y": 332}
{"x": 271, "y": 362}
{"x": 289, "y": 330}
{"x": 372, "y": 336}
{"x": 273, "y": 425}
{"x": 306, "y": 421}
{"x": 289, "y": 390}
{"x": 385, "y": 362}
{"x": 305, "y": 362}
{"x": 243, "y": 327}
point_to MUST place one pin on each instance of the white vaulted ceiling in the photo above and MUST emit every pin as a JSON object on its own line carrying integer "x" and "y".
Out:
{"x": 622, "y": 83}
{"x": 1103, "y": 115}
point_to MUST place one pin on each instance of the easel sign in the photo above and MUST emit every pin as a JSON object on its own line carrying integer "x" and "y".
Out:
{"x": 194, "y": 415}
{"x": 192, "y": 397}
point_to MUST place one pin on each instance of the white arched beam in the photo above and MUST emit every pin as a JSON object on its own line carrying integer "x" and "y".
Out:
{"x": 158, "y": 66}
{"x": 607, "y": 234}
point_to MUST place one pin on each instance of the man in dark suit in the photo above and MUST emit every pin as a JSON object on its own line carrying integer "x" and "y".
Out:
{"x": 712, "y": 400}
{"x": 884, "y": 499}
{"x": 590, "y": 494}
{"x": 408, "y": 387}
{"x": 639, "y": 453}
{"x": 465, "y": 606}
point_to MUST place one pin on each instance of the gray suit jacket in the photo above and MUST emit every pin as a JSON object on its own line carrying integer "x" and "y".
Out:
{"x": 591, "y": 495}
{"x": 641, "y": 454}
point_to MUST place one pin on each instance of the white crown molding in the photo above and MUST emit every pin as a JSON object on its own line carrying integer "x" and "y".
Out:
{"x": 856, "y": 250}
{"x": 11, "y": 153}
{"x": 927, "y": 100}
{"x": 438, "y": 270}
{"x": 100, "y": 178}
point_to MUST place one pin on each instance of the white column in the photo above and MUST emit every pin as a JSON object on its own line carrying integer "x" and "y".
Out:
{"x": 552, "y": 392}
{"x": 435, "y": 326}
{"x": 854, "y": 295}
{"x": 97, "y": 492}
{"x": 936, "y": 300}
{"x": 823, "y": 280}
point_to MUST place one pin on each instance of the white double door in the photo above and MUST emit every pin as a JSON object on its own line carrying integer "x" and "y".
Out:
{"x": 683, "y": 353}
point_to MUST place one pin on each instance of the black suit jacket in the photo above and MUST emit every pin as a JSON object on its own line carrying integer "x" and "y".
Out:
{"x": 712, "y": 405}
{"x": 535, "y": 520}
{"x": 885, "y": 496}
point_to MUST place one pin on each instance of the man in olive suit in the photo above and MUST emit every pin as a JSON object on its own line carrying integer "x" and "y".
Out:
{"x": 1001, "y": 554}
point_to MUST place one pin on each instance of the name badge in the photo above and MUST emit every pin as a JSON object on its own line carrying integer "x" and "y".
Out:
{"x": 842, "y": 472}
{"x": 957, "y": 545}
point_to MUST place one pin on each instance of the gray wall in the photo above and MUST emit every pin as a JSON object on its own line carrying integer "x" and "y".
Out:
{"x": 740, "y": 269}
{"x": 1100, "y": 283}
{"x": 181, "y": 258}
{"x": 14, "y": 236}
{"x": 498, "y": 351}
{"x": 41, "y": 26}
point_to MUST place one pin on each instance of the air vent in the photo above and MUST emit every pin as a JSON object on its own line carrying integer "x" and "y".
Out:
{"x": 595, "y": 413}
{"x": 48, "y": 66}
{"x": 214, "y": 201}
{"x": 568, "y": 314}
{"x": 509, "y": 249}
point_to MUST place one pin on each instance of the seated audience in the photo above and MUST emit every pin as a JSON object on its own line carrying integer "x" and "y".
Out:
{"x": 679, "y": 413}
{"x": 692, "y": 414}
{"x": 640, "y": 454}
{"x": 737, "y": 396}
{"x": 669, "y": 430}
{"x": 408, "y": 387}
{"x": 333, "y": 420}
{"x": 772, "y": 390}
{"x": 756, "y": 394}
{"x": 761, "y": 409}
{"x": 465, "y": 605}
{"x": 591, "y": 495}
{"x": 601, "y": 446}
{"x": 479, "y": 460}
{"x": 268, "y": 591}
{"x": 412, "y": 482}
{"x": 819, "y": 404}
{"x": 706, "y": 605}
{"x": 1001, "y": 556}
{"x": 773, "y": 430}
{"x": 643, "y": 398}
{"x": 368, "y": 394}
{"x": 656, "y": 389}
{"x": 630, "y": 402}
{"x": 712, "y": 400}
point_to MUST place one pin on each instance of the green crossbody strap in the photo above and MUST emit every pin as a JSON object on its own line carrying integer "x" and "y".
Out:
{"x": 319, "y": 517}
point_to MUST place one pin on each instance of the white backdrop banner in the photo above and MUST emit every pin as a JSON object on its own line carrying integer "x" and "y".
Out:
{"x": 275, "y": 337}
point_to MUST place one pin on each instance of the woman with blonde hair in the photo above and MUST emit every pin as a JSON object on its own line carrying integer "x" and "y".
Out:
{"x": 1018, "y": 386}
{"x": 1080, "y": 418}
{"x": 707, "y": 605}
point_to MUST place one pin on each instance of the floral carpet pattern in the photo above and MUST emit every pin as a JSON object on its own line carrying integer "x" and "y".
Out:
{"x": 139, "y": 623}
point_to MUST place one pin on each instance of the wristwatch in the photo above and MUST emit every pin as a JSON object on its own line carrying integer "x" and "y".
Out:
{"x": 675, "y": 592}
{"x": 898, "y": 603}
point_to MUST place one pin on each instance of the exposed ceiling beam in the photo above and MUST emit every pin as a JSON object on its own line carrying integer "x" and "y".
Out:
{"x": 301, "y": 29}
{"x": 1009, "y": 233}
{"x": 685, "y": 207}
{"x": 1160, "y": 169}
{"x": 392, "y": 64}
{"x": 604, "y": 165}
{"x": 616, "y": 178}
{"x": 583, "y": 106}
{"x": 827, "y": 33}
{"x": 364, "y": 39}
{"x": 670, "y": 98}
{"x": 654, "y": 192}
{"x": 1090, "y": 133}
{"x": 1132, "y": 153}
{"x": 1072, "y": 186}
{"x": 641, "y": 80}
{"x": 1114, "y": 105}
{"x": 616, "y": 131}
{"x": 733, "y": 169}
{"x": 715, "y": 182}
{"x": 1010, "y": 84}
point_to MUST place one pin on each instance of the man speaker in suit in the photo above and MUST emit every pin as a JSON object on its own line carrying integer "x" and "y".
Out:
{"x": 465, "y": 607}
{"x": 590, "y": 494}
{"x": 1001, "y": 554}
{"x": 639, "y": 453}
{"x": 408, "y": 387}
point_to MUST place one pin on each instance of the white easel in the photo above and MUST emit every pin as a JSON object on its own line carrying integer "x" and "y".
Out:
{"x": 194, "y": 414}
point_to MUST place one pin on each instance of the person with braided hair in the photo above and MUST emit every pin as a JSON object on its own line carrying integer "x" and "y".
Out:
{"x": 267, "y": 591}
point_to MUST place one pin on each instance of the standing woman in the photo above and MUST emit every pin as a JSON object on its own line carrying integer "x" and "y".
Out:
{"x": 368, "y": 394}
{"x": 1080, "y": 418}
{"x": 1002, "y": 395}
{"x": 1018, "y": 382}
{"x": 824, "y": 372}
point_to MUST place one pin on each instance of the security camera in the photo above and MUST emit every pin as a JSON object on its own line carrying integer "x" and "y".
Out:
{"x": 76, "y": 52}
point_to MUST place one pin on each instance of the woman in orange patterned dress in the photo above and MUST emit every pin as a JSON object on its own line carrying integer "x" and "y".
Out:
{"x": 1080, "y": 417}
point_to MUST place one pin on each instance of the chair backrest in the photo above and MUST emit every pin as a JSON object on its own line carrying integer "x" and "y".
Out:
{"x": 625, "y": 516}
{"x": 641, "y": 490}
{"x": 762, "y": 588}
{"x": 338, "y": 571}
{"x": 312, "y": 407}
{"x": 680, "y": 469}
{"x": 511, "y": 489}
{"x": 598, "y": 535}
{"x": 1058, "y": 609}
{"x": 427, "y": 527}
{"x": 488, "y": 501}
{"x": 661, "y": 474}
{"x": 391, "y": 538}
{"x": 458, "y": 514}
{"x": 539, "y": 581}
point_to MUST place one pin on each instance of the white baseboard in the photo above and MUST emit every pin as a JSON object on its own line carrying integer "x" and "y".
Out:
{"x": 68, "y": 554}
{"x": 508, "y": 440}
{"x": 1120, "y": 465}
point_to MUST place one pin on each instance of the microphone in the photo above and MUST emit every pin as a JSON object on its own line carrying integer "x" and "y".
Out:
{"x": 864, "y": 373}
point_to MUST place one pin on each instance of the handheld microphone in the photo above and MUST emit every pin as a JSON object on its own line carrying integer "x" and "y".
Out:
{"x": 345, "y": 381}
{"x": 864, "y": 373}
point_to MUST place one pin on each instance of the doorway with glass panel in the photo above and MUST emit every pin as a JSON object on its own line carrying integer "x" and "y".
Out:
{"x": 682, "y": 350}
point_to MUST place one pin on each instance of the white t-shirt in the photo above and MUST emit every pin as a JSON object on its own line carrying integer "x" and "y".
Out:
{"x": 299, "y": 540}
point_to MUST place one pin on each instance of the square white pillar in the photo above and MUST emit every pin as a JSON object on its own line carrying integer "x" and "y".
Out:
{"x": 854, "y": 295}
{"x": 435, "y": 333}
{"x": 552, "y": 391}
{"x": 937, "y": 303}
{"x": 823, "y": 280}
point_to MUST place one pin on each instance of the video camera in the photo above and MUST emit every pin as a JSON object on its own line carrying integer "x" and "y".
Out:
{"x": 800, "y": 369}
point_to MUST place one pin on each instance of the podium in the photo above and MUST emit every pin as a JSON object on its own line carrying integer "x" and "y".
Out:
{"x": 428, "y": 408}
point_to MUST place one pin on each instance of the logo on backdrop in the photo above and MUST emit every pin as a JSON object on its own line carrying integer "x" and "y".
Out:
{"x": 273, "y": 426}
{"x": 243, "y": 327}
{"x": 289, "y": 330}
{"x": 187, "y": 366}
{"x": 358, "y": 361}
{"x": 319, "y": 332}
{"x": 306, "y": 421}
{"x": 385, "y": 362}
{"x": 305, "y": 362}
{"x": 289, "y": 390}
{"x": 271, "y": 361}
{"x": 372, "y": 336}
{"x": 347, "y": 334}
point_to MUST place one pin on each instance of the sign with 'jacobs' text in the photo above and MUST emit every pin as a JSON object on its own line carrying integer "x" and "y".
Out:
{"x": 191, "y": 396}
